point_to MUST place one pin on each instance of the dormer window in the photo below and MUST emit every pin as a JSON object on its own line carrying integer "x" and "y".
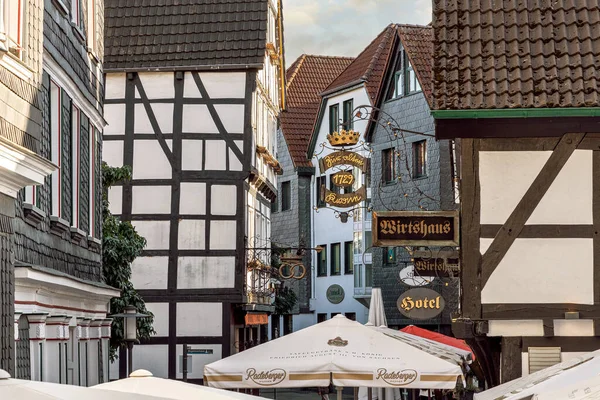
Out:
{"x": 405, "y": 80}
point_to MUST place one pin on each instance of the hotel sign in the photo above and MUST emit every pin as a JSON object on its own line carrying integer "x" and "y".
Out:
{"x": 415, "y": 228}
{"x": 335, "y": 294}
{"x": 421, "y": 303}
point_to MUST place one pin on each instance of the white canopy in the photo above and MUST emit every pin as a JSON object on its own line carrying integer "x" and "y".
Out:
{"x": 548, "y": 380}
{"x": 142, "y": 382}
{"x": 586, "y": 390}
{"x": 347, "y": 352}
{"x": 32, "y": 390}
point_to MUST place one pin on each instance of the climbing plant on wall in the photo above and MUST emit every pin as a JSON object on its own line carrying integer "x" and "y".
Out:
{"x": 121, "y": 244}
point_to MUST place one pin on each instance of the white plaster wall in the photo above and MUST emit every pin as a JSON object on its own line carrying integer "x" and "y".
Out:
{"x": 150, "y": 161}
{"x": 163, "y": 113}
{"x": 114, "y": 114}
{"x": 115, "y": 86}
{"x": 151, "y": 199}
{"x": 161, "y": 318}
{"x": 158, "y": 85}
{"x": 223, "y": 235}
{"x": 232, "y": 117}
{"x": 505, "y": 176}
{"x": 151, "y": 357}
{"x": 192, "y": 198}
{"x": 191, "y": 155}
{"x": 190, "y": 89}
{"x": 222, "y": 85}
{"x": 542, "y": 271}
{"x": 516, "y": 328}
{"x": 191, "y": 234}
{"x": 150, "y": 272}
{"x": 205, "y": 272}
{"x": 155, "y": 232}
{"x": 112, "y": 152}
{"x": 327, "y": 229}
{"x": 215, "y": 155}
{"x": 573, "y": 327}
{"x": 199, "y": 319}
{"x": 198, "y": 360}
{"x": 115, "y": 199}
{"x": 197, "y": 118}
{"x": 223, "y": 200}
{"x": 302, "y": 321}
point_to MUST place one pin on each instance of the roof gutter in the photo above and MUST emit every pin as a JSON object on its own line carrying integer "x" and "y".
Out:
{"x": 187, "y": 68}
{"x": 517, "y": 113}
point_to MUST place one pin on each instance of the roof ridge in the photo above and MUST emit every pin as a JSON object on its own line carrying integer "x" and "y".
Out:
{"x": 332, "y": 57}
{"x": 298, "y": 64}
{"x": 413, "y": 26}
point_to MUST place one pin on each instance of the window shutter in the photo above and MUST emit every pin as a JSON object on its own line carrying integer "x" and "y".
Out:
{"x": 66, "y": 178}
{"x": 84, "y": 184}
{"x": 543, "y": 357}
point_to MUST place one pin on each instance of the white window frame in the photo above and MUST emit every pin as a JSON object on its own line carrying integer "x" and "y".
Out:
{"x": 76, "y": 14}
{"x": 92, "y": 179}
{"x": 75, "y": 164}
{"x": 91, "y": 28}
{"x": 6, "y": 27}
{"x": 55, "y": 134}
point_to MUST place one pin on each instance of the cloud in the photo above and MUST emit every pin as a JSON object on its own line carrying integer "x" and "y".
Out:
{"x": 344, "y": 27}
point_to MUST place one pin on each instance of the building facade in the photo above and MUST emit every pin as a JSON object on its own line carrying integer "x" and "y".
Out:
{"x": 196, "y": 118}
{"x": 51, "y": 243}
{"x": 410, "y": 171}
{"x": 529, "y": 172}
{"x": 307, "y": 77}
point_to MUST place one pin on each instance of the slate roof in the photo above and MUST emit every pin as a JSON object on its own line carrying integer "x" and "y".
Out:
{"x": 493, "y": 54}
{"x": 369, "y": 66}
{"x": 306, "y": 78}
{"x": 142, "y": 34}
{"x": 418, "y": 45}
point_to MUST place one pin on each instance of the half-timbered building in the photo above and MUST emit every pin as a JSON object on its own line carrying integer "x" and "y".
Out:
{"x": 50, "y": 133}
{"x": 193, "y": 94}
{"x": 517, "y": 82}
{"x": 410, "y": 171}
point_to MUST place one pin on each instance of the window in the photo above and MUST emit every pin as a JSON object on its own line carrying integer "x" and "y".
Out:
{"x": 14, "y": 21}
{"x": 419, "y": 159}
{"x": 390, "y": 255}
{"x": 92, "y": 33}
{"x": 321, "y": 317}
{"x": 333, "y": 187}
{"x": 348, "y": 118}
{"x": 334, "y": 118}
{"x": 322, "y": 271}
{"x": 274, "y": 206}
{"x": 335, "y": 259}
{"x": 351, "y": 316}
{"x": 388, "y": 165}
{"x": 404, "y": 81}
{"x": 75, "y": 175}
{"x": 368, "y": 243}
{"x": 77, "y": 14}
{"x": 333, "y": 314}
{"x": 399, "y": 84}
{"x": 55, "y": 132}
{"x": 348, "y": 258}
{"x": 320, "y": 182}
{"x": 286, "y": 196}
{"x": 368, "y": 275}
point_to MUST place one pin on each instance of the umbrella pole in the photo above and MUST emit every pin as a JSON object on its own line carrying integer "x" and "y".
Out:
{"x": 370, "y": 393}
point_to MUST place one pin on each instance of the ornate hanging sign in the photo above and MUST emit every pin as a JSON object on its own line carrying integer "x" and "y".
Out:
{"x": 343, "y": 179}
{"x": 421, "y": 303}
{"x": 335, "y": 294}
{"x": 415, "y": 228}
{"x": 343, "y": 200}
{"x": 342, "y": 158}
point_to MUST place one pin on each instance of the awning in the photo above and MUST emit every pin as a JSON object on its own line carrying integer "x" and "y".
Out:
{"x": 438, "y": 337}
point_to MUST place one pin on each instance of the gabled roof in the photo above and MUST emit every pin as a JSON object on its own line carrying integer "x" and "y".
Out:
{"x": 418, "y": 45}
{"x": 306, "y": 78}
{"x": 516, "y": 54}
{"x": 141, "y": 34}
{"x": 368, "y": 66}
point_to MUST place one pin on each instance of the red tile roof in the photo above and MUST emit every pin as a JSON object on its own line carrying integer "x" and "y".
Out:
{"x": 493, "y": 54}
{"x": 369, "y": 66}
{"x": 418, "y": 44}
{"x": 306, "y": 78}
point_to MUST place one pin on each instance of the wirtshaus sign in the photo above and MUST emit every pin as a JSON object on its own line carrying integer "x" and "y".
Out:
{"x": 415, "y": 228}
{"x": 421, "y": 303}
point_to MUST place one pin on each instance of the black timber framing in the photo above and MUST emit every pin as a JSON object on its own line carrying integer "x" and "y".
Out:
{"x": 172, "y": 295}
{"x": 510, "y": 365}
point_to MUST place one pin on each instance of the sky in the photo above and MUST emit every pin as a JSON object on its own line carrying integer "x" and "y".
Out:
{"x": 344, "y": 27}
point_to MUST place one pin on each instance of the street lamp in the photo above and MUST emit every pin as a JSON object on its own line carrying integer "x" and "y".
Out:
{"x": 130, "y": 316}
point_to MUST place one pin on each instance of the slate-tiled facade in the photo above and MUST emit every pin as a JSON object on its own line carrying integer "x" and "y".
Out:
{"x": 432, "y": 192}
{"x": 515, "y": 54}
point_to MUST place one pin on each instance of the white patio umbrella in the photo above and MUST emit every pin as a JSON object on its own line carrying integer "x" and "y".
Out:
{"x": 377, "y": 318}
{"x": 343, "y": 351}
{"x": 585, "y": 390}
{"x": 548, "y": 380}
{"x": 142, "y": 382}
{"x": 32, "y": 390}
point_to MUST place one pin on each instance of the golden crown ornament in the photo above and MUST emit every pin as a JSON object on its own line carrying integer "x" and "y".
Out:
{"x": 343, "y": 138}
